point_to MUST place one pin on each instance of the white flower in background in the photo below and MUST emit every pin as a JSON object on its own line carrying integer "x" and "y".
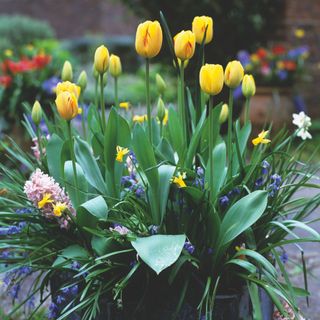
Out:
{"x": 303, "y": 122}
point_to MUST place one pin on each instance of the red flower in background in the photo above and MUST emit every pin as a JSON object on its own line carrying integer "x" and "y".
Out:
{"x": 279, "y": 49}
{"x": 41, "y": 60}
{"x": 5, "y": 81}
{"x": 289, "y": 65}
{"x": 262, "y": 53}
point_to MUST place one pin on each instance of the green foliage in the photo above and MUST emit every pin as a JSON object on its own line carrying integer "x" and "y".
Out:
{"x": 17, "y": 31}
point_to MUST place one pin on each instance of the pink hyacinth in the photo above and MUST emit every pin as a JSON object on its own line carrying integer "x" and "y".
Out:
{"x": 35, "y": 148}
{"x": 41, "y": 184}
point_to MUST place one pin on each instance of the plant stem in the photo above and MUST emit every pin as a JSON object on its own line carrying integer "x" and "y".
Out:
{"x": 247, "y": 111}
{"x": 73, "y": 159}
{"x": 148, "y": 99}
{"x": 116, "y": 99}
{"x": 84, "y": 131}
{"x": 39, "y": 142}
{"x": 182, "y": 106}
{"x": 230, "y": 132}
{"x": 103, "y": 107}
{"x": 161, "y": 128}
{"x": 210, "y": 106}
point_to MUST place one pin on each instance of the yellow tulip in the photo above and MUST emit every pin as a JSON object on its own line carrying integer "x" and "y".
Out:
{"x": 115, "y": 67}
{"x": 248, "y": 86}
{"x": 233, "y": 74}
{"x": 199, "y": 25}
{"x": 66, "y": 73}
{"x": 67, "y": 105}
{"x": 224, "y": 113}
{"x": 68, "y": 86}
{"x": 211, "y": 78}
{"x": 148, "y": 39}
{"x": 184, "y": 45}
{"x": 101, "y": 59}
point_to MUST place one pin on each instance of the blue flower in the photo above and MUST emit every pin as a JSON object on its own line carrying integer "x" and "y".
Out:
{"x": 258, "y": 183}
{"x": 274, "y": 187}
{"x": 133, "y": 157}
{"x": 153, "y": 229}
{"x": 50, "y": 84}
{"x": 75, "y": 265}
{"x": 66, "y": 290}
{"x": 189, "y": 247}
{"x": 282, "y": 74}
{"x": 14, "y": 292}
{"x": 224, "y": 201}
{"x": 244, "y": 57}
{"x": 74, "y": 290}
{"x": 265, "y": 167}
{"x": 60, "y": 299}
{"x": 284, "y": 257}
{"x": 53, "y": 311}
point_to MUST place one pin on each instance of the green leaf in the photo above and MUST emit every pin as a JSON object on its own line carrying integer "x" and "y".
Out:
{"x": 242, "y": 215}
{"x": 255, "y": 300}
{"x": 70, "y": 184}
{"x": 175, "y": 132}
{"x": 165, "y": 151}
{"x": 165, "y": 174}
{"x": 160, "y": 251}
{"x": 89, "y": 165}
{"x": 53, "y": 151}
{"x": 74, "y": 252}
{"x": 102, "y": 245}
{"x": 92, "y": 211}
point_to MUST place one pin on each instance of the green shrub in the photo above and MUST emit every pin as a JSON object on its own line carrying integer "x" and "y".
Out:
{"x": 18, "y": 30}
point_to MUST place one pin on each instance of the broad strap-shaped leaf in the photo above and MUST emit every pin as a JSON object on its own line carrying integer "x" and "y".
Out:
{"x": 92, "y": 211}
{"x": 89, "y": 165}
{"x": 175, "y": 132}
{"x": 53, "y": 151}
{"x": 160, "y": 251}
{"x": 70, "y": 184}
{"x": 243, "y": 214}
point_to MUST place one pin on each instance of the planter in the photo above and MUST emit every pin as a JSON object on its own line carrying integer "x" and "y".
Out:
{"x": 271, "y": 105}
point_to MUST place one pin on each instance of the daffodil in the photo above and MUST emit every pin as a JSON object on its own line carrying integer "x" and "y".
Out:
{"x": 166, "y": 117}
{"x": 121, "y": 152}
{"x": 299, "y": 33}
{"x": 45, "y": 200}
{"x": 59, "y": 208}
{"x": 140, "y": 119}
{"x": 179, "y": 180}
{"x": 261, "y": 139}
{"x": 124, "y": 105}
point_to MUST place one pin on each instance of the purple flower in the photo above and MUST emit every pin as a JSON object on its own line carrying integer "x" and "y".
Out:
{"x": 274, "y": 187}
{"x": 210, "y": 251}
{"x": 53, "y": 311}
{"x": 234, "y": 192}
{"x": 296, "y": 52}
{"x": 60, "y": 299}
{"x": 74, "y": 290}
{"x": 224, "y": 201}
{"x": 244, "y": 57}
{"x": 199, "y": 180}
{"x": 299, "y": 103}
{"x": 50, "y": 84}
{"x": 133, "y": 157}
{"x": 237, "y": 93}
{"x": 14, "y": 292}
{"x": 258, "y": 183}
{"x": 282, "y": 74}
{"x": 284, "y": 257}
{"x": 5, "y": 254}
{"x": 153, "y": 229}
{"x": 75, "y": 265}
{"x": 189, "y": 247}
{"x": 65, "y": 290}
{"x": 265, "y": 167}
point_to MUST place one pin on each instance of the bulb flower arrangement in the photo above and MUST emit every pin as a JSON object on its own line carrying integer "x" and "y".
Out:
{"x": 157, "y": 211}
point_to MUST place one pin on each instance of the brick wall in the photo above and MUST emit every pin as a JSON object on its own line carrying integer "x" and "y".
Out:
{"x": 75, "y": 18}
{"x": 306, "y": 15}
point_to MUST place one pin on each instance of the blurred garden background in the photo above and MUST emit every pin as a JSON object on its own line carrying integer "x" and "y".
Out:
{"x": 277, "y": 40}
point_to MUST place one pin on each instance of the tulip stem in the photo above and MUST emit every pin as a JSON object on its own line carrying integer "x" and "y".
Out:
{"x": 39, "y": 142}
{"x": 210, "y": 106}
{"x": 230, "y": 131}
{"x": 182, "y": 104}
{"x": 103, "y": 106}
{"x": 148, "y": 99}
{"x": 73, "y": 159}
{"x": 116, "y": 99}
{"x": 247, "y": 111}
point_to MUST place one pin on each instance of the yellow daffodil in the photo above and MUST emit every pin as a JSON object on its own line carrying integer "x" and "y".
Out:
{"x": 121, "y": 152}
{"x": 69, "y": 87}
{"x": 261, "y": 139}
{"x": 140, "y": 119}
{"x": 45, "y": 200}
{"x": 166, "y": 117}
{"x": 179, "y": 180}
{"x": 199, "y": 26}
{"x": 124, "y": 105}
{"x": 148, "y": 41}
{"x": 59, "y": 208}
{"x": 299, "y": 33}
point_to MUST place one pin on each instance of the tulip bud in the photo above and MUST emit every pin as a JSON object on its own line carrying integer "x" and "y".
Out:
{"x": 36, "y": 113}
{"x": 161, "y": 110}
{"x": 101, "y": 59}
{"x": 184, "y": 45}
{"x": 105, "y": 79}
{"x": 82, "y": 80}
{"x": 67, "y": 74}
{"x": 211, "y": 78}
{"x": 248, "y": 86}
{"x": 67, "y": 105}
{"x": 233, "y": 74}
{"x": 199, "y": 26}
{"x": 224, "y": 113}
{"x": 95, "y": 73}
{"x": 115, "y": 67}
{"x": 148, "y": 39}
{"x": 161, "y": 85}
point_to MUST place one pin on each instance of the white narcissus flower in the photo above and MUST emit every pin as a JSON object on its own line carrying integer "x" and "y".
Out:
{"x": 303, "y": 122}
